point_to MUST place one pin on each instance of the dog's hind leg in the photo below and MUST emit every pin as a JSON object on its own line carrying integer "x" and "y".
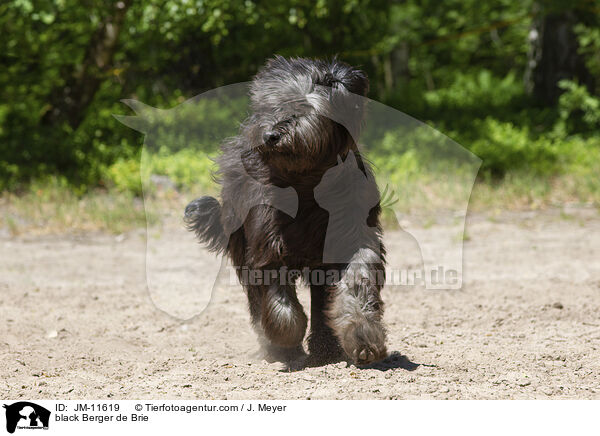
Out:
{"x": 279, "y": 320}
{"x": 323, "y": 345}
{"x": 356, "y": 309}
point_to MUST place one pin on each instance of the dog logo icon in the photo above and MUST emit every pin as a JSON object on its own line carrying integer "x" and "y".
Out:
{"x": 26, "y": 415}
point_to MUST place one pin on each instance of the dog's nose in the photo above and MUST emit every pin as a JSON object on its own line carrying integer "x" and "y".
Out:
{"x": 271, "y": 137}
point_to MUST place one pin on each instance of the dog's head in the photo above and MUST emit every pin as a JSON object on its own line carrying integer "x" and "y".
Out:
{"x": 306, "y": 112}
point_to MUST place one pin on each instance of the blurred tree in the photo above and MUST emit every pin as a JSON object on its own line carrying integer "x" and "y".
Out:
{"x": 554, "y": 54}
{"x": 69, "y": 101}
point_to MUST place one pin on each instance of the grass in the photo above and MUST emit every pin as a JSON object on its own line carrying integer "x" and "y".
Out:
{"x": 52, "y": 207}
{"x": 527, "y": 192}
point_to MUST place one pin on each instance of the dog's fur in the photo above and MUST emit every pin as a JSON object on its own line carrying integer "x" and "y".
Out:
{"x": 305, "y": 118}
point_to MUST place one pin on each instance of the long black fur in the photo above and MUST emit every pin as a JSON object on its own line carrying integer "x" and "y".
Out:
{"x": 305, "y": 116}
{"x": 203, "y": 217}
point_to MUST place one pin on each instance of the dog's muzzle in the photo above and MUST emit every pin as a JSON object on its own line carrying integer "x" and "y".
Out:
{"x": 271, "y": 138}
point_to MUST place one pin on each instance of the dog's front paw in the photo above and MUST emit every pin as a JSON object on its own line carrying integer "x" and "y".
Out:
{"x": 364, "y": 343}
{"x": 355, "y": 313}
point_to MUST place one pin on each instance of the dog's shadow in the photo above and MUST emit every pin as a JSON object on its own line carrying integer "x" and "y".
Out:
{"x": 395, "y": 360}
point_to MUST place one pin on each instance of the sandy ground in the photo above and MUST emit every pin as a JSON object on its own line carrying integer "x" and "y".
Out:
{"x": 76, "y": 321}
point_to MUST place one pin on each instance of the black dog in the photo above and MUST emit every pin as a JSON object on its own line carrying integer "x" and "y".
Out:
{"x": 302, "y": 132}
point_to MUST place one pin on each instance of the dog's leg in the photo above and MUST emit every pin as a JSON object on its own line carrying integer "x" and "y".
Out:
{"x": 279, "y": 320}
{"x": 356, "y": 309}
{"x": 323, "y": 345}
{"x": 283, "y": 319}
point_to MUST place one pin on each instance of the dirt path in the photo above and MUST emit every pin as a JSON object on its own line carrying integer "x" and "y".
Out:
{"x": 76, "y": 321}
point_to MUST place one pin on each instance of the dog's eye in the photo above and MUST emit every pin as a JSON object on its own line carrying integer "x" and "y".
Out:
{"x": 291, "y": 120}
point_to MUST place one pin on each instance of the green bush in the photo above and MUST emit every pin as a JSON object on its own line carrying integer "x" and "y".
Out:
{"x": 475, "y": 90}
{"x": 502, "y": 147}
{"x": 579, "y": 110}
{"x": 186, "y": 169}
{"x": 124, "y": 175}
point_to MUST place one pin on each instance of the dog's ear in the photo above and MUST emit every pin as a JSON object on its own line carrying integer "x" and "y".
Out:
{"x": 356, "y": 82}
{"x": 360, "y": 82}
{"x": 353, "y": 79}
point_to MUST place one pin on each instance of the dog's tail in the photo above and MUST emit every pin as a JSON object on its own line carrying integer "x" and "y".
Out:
{"x": 203, "y": 217}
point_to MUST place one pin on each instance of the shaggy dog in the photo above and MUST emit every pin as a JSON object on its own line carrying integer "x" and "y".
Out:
{"x": 301, "y": 134}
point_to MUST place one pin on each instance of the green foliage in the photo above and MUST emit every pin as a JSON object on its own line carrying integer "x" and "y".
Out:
{"x": 579, "y": 111}
{"x": 589, "y": 46}
{"x": 401, "y": 166}
{"x": 503, "y": 147}
{"x": 459, "y": 65}
{"x": 124, "y": 175}
{"x": 186, "y": 169}
{"x": 475, "y": 90}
